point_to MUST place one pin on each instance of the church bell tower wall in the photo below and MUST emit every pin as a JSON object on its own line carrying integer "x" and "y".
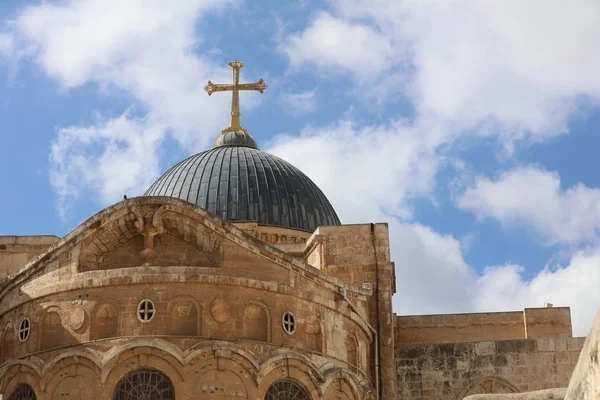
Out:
{"x": 16, "y": 251}
{"x": 359, "y": 255}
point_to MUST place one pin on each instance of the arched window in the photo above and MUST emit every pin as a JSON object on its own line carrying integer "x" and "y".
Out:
{"x": 286, "y": 390}
{"x": 23, "y": 392}
{"x": 145, "y": 385}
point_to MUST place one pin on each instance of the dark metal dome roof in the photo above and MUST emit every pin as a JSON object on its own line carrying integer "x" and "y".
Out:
{"x": 240, "y": 183}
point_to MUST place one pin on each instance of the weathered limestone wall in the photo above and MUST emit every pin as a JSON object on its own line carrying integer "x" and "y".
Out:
{"x": 532, "y": 323}
{"x": 360, "y": 255}
{"x": 455, "y": 370}
{"x": 16, "y": 251}
{"x": 585, "y": 381}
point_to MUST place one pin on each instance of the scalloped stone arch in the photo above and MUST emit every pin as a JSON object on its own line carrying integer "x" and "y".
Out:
{"x": 57, "y": 363}
{"x": 489, "y": 385}
{"x": 166, "y": 365}
{"x": 17, "y": 374}
{"x": 83, "y": 373}
{"x": 235, "y": 354}
{"x": 294, "y": 366}
{"x": 116, "y": 355}
{"x": 347, "y": 376}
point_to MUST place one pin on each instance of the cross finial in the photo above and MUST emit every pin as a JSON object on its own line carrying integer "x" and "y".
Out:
{"x": 235, "y": 87}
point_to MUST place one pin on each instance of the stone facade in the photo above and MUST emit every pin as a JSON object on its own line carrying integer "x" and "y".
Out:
{"x": 159, "y": 289}
{"x": 161, "y": 286}
{"x": 456, "y": 355}
{"x": 457, "y": 370}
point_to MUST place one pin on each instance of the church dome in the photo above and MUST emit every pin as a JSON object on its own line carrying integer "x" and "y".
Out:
{"x": 240, "y": 183}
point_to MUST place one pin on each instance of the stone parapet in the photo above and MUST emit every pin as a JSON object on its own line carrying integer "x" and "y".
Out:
{"x": 532, "y": 323}
{"x": 16, "y": 251}
{"x": 456, "y": 370}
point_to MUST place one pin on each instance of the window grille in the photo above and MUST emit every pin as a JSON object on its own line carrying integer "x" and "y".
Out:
{"x": 145, "y": 310}
{"x": 23, "y": 392}
{"x": 286, "y": 390}
{"x": 289, "y": 322}
{"x": 24, "y": 329}
{"x": 145, "y": 385}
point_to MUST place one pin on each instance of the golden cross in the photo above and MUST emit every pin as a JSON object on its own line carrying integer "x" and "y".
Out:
{"x": 261, "y": 86}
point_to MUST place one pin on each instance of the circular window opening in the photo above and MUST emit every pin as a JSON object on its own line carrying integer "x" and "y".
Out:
{"x": 289, "y": 322}
{"x": 145, "y": 310}
{"x": 24, "y": 329}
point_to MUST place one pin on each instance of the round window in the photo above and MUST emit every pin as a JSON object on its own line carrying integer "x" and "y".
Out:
{"x": 24, "y": 329}
{"x": 289, "y": 322}
{"x": 145, "y": 310}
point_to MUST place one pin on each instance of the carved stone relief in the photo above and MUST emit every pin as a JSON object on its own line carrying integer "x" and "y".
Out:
{"x": 220, "y": 310}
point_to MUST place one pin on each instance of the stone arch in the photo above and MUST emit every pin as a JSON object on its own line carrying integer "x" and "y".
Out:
{"x": 352, "y": 350}
{"x": 23, "y": 392}
{"x": 186, "y": 316}
{"x": 52, "y": 331}
{"x": 20, "y": 374}
{"x": 105, "y": 323}
{"x": 285, "y": 389}
{"x": 256, "y": 322}
{"x": 342, "y": 384}
{"x": 72, "y": 376}
{"x": 8, "y": 342}
{"x": 240, "y": 357}
{"x": 147, "y": 383}
{"x": 295, "y": 367}
{"x": 63, "y": 359}
{"x": 489, "y": 385}
{"x": 219, "y": 375}
{"x": 159, "y": 354}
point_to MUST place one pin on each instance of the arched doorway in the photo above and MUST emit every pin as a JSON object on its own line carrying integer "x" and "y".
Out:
{"x": 145, "y": 385}
{"x": 286, "y": 390}
{"x": 23, "y": 392}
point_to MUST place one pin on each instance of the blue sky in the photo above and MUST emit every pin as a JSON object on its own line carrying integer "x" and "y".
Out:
{"x": 470, "y": 127}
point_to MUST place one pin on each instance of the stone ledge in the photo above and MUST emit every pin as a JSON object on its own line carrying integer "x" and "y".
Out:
{"x": 548, "y": 394}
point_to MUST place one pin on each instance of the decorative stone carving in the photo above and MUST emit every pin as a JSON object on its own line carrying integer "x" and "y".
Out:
{"x": 220, "y": 310}
{"x": 77, "y": 318}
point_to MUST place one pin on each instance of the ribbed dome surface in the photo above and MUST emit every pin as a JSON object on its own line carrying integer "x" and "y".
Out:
{"x": 240, "y": 183}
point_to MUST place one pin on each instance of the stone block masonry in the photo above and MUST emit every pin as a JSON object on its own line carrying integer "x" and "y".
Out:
{"x": 455, "y": 370}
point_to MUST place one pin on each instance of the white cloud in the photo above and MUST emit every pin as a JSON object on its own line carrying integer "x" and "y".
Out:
{"x": 532, "y": 197}
{"x": 128, "y": 160}
{"x": 299, "y": 103}
{"x": 362, "y": 169}
{"x": 433, "y": 277}
{"x": 575, "y": 285}
{"x": 143, "y": 48}
{"x": 333, "y": 43}
{"x": 516, "y": 69}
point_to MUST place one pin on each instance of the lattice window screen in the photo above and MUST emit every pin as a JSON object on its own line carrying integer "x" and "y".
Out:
{"x": 23, "y": 392}
{"x": 286, "y": 390}
{"x": 145, "y": 385}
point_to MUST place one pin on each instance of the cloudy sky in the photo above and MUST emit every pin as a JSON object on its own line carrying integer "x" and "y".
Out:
{"x": 471, "y": 127}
